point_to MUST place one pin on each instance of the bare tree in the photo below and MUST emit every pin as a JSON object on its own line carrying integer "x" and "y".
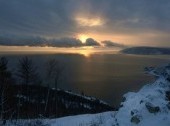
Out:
{"x": 53, "y": 73}
{"x": 5, "y": 78}
{"x": 28, "y": 75}
{"x": 27, "y": 71}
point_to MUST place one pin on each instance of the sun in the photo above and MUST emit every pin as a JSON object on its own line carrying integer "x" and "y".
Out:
{"x": 83, "y": 37}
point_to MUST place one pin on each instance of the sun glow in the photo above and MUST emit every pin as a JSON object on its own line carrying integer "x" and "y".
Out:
{"x": 89, "y": 22}
{"x": 83, "y": 37}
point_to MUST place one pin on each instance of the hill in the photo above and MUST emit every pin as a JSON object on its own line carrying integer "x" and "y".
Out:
{"x": 146, "y": 51}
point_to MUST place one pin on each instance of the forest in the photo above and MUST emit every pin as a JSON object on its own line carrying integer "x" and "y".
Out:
{"x": 24, "y": 97}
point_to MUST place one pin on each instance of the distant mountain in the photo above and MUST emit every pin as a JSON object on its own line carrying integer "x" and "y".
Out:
{"x": 146, "y": 51}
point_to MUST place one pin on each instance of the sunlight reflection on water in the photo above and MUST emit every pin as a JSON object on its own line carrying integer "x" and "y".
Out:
{"x": 86, "y": 51}
{"x": 100, "y": 72}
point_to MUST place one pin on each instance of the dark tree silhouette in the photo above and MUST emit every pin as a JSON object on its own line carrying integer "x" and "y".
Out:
{"x": 5, "y": 75}
{"x": 53, "y": 73}
{"x": 5, "y": 78}
{"x": 27, "y": 72}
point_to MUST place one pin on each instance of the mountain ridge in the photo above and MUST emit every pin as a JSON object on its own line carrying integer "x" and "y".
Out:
{"x": 142, "y": 50}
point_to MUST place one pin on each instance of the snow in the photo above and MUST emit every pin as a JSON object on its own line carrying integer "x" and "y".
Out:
{"x": 147, "y": 107}
{"x": 151, "y": 94}
{"x": 87, "y": 97}
{"x": 79, "y": 120}
{"x": 84, "y": 120}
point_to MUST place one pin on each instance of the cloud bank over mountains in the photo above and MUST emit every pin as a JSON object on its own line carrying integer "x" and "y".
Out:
{"x": 62, "y": 42}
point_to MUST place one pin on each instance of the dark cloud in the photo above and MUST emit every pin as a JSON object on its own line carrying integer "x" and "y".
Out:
{"x": 65, "y": 42}
{"x": 22, "y": 41}
{"x": 56, "y": 18}
{"x": 91, "y": 42}
{"x": 136, "y": 15}
{"x": 40, "y": 41}
{"x": 108, "y": 43}
{"x": 40, "y": 17}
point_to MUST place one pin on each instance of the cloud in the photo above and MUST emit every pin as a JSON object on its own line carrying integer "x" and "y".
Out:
{"x": 108, "y": 43}
{"x": 63, "y": 18}
{"x": 22, "y": 41}
{"x": 41, "y": 18}
{"x": 91, "y": 42}
{"x": 39, "y": 41}
{"x": 65, "y": 42}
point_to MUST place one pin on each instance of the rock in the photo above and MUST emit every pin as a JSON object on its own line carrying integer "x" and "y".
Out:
{"x": 120, "y": 106}
{"x": 135, "y": 119}
{"x": 123, "y": 99}
{"x": 134, "y": 112}
{"x": 168, "y": 95}
{"x": 168, "y": 105}
{"x": 151, "y": 108}
{"x": 141, "y": 101}
{"x": 135, "y": 116}
{"x": 168, "y": 78}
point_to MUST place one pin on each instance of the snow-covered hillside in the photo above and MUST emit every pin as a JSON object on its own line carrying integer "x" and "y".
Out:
{"x": 150, "y": 106}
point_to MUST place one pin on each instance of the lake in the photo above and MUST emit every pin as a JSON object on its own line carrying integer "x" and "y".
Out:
{"x": 106, "y": 76}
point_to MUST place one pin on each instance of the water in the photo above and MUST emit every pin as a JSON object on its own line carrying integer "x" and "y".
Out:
{"x": 105, "y": 76}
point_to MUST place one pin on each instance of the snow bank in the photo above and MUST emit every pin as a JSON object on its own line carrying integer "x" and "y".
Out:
{"x": 150, "y": 105}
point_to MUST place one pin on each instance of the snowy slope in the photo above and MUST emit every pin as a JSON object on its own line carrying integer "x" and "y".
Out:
{"x": 150, "y": 106}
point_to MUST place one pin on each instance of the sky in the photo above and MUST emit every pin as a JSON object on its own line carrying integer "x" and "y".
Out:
{"x": 129, "y": 22}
